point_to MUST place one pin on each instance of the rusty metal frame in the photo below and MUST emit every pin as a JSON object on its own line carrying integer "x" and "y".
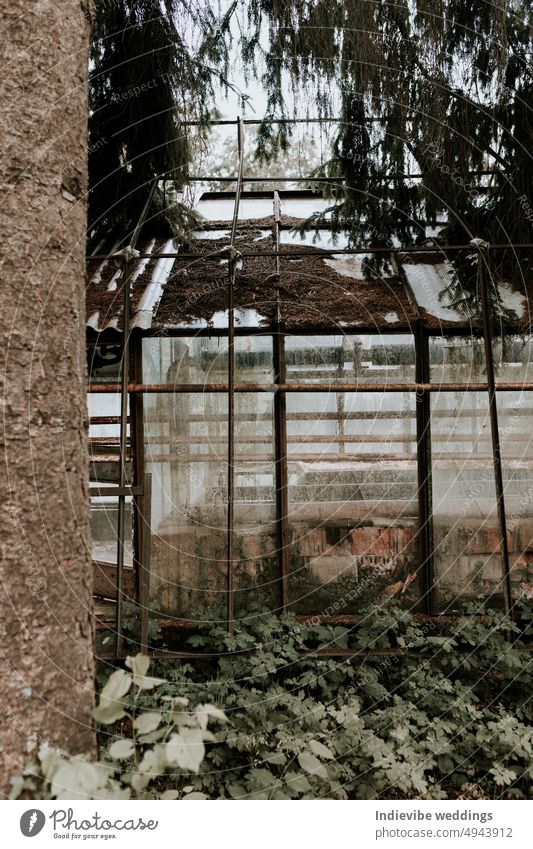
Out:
{"x": 280, "y": 431}
{"x": 374, "y": 249}
{"x": 142, "y": 500}
{"x": 124, "y": 399}
{"x": 232, "y": 267}
{"x": 167, "y": 388}
{"x": 423, "y": 387}
{"x": 483, "y": 267}
{"x": 424, "y": 468}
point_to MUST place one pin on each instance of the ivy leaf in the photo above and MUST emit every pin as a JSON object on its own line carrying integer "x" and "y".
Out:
{"x": 205, "y": 712}
{"x": 502, "y": 775}
{"x": 275, "y": 759}
{"x": 120, "y": 750}
{"x": 321, "y": 751}
{"x": 312, "y": 765}
{"x": 76, "y": 779}
{"x": 148, "y": 683}
{"x": 139, "y": 665}
{"x": 112, "y": 705}
{"x": 147, "y": 722}
{"x": 152, "y": 765}
{"x": 153, "y": 737}
{"x": 186, "y": 749}
{"x": 298, "y": 782}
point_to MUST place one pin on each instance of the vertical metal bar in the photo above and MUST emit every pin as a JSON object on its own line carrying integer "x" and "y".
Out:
{"x": 280, "y": 430}
{"x": 127, "y": 254}
{"x": 232, "y": 265}
{"x": 482, "y": 262}
{"x": 144, "y": 574}
{"x": 424, "y": 471}
{"x": 141, "y": 529}
{"x": 123, "y": 476}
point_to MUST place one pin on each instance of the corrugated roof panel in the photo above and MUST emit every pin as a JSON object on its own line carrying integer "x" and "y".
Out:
{"x": 429, "y": 284}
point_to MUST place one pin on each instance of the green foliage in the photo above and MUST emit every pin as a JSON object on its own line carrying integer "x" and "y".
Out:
{"x": 440, "y": 87}
{"x": 450, "y": 717}
{"x": 153, "y": 67}
{"x": 455, "y": 719}
{"x": 166, "y": 740}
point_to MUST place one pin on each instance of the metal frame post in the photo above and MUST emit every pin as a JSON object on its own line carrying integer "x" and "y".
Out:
{"x": 483, "y": 266}
{"x": 424, "y": 470}
{"x": 232, "y": 267}
{"x": 280, "y": 430}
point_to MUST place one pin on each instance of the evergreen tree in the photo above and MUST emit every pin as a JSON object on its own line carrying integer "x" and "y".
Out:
{"x": 439, "y": 87}
{"x": 153, "y": 68}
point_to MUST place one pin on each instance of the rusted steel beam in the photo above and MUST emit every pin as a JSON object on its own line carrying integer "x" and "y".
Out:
{"x": 371, "y": 249}
{"x": 504, "y": 386}
{"x": 123, "y": 475}
{"x": 104, "y": 420}
{"x": 232, "y": 268}
{"x": 376, "y": 178}
{"x": 280, "y": 430}
{"x": 114, "y": 491}
{"x": 127, "y": 255}
{"x": 424, "y": 469}
{"x": 483, "y": 265}
{"x": 142, "y": 500}
{"x": 144, "y": 562}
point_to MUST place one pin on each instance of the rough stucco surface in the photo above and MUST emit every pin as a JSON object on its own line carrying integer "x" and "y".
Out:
{"x": 46, "y": 626}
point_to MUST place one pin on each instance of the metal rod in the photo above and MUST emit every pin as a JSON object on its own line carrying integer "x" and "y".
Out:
{"x": 280, "y": 430}
{"x": 158, "y": 388}
{"x": 232, "y": 267}
{"x": 483, "y": 266}
{"x": 124, "y": 385}
{"x": 114, "y": 491}
{"x": 144, "y": 571}
{"x": 123, "y": 479}
{"x": 371, "y": 249}
{"x": 142, "y": 501}
{"x": 374, "y": 178}
{"x": 424, "y": 467}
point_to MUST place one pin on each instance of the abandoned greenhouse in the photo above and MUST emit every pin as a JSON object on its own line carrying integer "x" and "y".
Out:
{"x": 281, "y": 432}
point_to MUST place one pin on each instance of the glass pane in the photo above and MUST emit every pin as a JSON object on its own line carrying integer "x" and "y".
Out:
{"x": 456, "y": 359}
{"x": 104, "y": 437}
{"x": 465, "y": 525}
{"x": 256, "y": 571}
{"x": 515, "y": 414}
{"x": 203, "y": 359}
{"x": 186, "y": 453}
{"x": 104, "y": 523}
{"x": 352, "y": 500}
{"x": 514, "y": 358}
{"x": 350, "y": 359}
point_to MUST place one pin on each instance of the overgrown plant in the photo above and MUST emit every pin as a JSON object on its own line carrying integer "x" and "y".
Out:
{"x": 167, "y": 739}
{"x": 436, "y": 715}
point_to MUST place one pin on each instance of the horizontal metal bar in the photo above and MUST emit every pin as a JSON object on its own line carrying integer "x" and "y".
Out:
{"x": 97, "y": 492}
{"x": 166, "y": 388}
{"x": 371, "y": 249}
{"x": 102, "y": 420}
{"x": 371, "y": 179}
{"x": 216, "y": 179}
